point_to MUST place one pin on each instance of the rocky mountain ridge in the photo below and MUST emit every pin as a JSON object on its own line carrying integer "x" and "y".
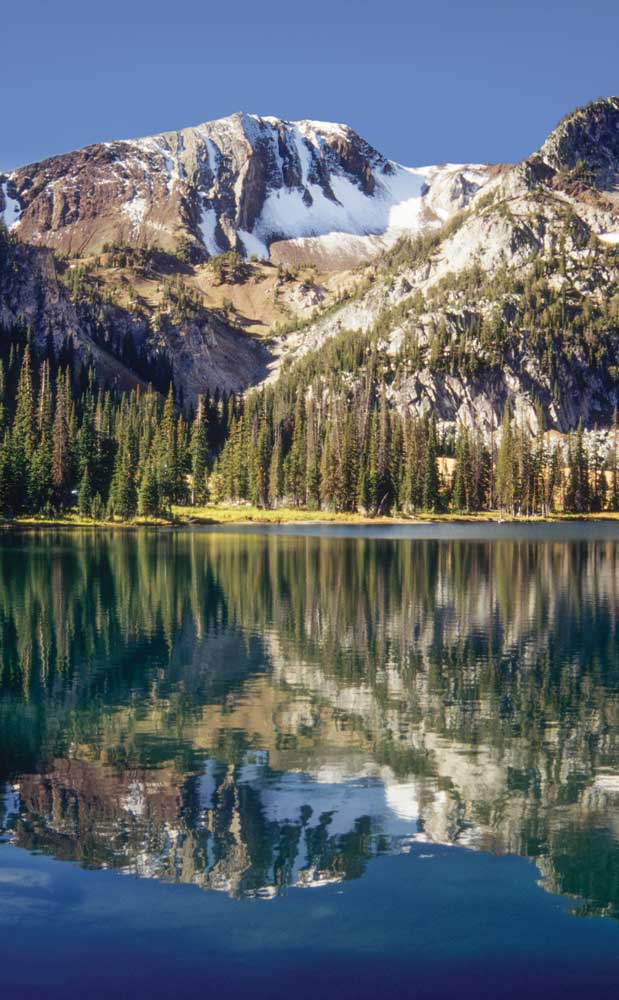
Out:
{"x": 239, "y": 183}
{"x": 515, "y": 298}
{"x": 479, "y": 285}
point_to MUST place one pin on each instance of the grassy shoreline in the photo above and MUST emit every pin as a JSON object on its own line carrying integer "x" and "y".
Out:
{"x": 224, "y": 514}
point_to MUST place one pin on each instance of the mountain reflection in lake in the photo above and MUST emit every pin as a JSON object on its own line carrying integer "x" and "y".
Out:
{"x": 253, "y": 711}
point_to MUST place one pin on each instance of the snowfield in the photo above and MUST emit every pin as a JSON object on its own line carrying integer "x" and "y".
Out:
{"x": 328, "y": 202}
{"x": 11, "y": 213}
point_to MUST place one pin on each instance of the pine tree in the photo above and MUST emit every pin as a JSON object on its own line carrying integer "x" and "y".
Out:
{"x": 462, "y": 485}
{"x": 384, "y": 486}
{"x": 148, "y": 495}
{"x": 613, "y": 461}
{"x": 261, "y": 463}
{"x": 166, "y": 453}
{"x": 578, "y": 493}
{"x": 329, "y": 471}
{"x": 23, "y": 438}
{"x": 6, "y": 472}
{"x": 597, "y": 498}
{"x": 41, "y": 467}
{"x": 199, "y": 456}
{"x": 294, "y": 465}
{"x": 276, "y": 468}
{"x": 431, "y": 479}
{"x": 312, "y": 461}
{"x": 346, "y": 498}
{"x": 3, "y": 410}
{"x": 363, "y": 493}
{"x": 85, "y": 497}
{"x": 372, "y": 477}
{"x": 24, "y": 427}
{"x": 61, "y": 452}
{"x": 505, "y": 485}
{"x": 123, "y": 491}
{"x": 554, "y": 479}
{"x": 396, "y": 463}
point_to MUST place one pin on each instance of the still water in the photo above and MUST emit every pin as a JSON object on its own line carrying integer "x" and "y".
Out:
{"x": 275, "y": 763}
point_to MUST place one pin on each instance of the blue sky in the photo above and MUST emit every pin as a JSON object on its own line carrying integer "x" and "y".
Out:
{"x": 424, "y": 82}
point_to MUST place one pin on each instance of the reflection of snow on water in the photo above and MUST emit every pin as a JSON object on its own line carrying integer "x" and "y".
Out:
{"x": 335, "y": 797}
{"x": 135, "y": 801}
{"x": 9, "y": 807}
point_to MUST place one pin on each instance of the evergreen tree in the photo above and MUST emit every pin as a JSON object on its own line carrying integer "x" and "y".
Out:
{"x": 23, "y": 438}
{"x": 294, "y": 465}
{"x": 613, "y": 463}
{"x": 505, "y": 478}
{"x": 199, "y": 456}
{"x": 6, "y": 471}
{"x": 276, "y": 468}
{"x": 329, "y": 471}
{"x": 148, "y": 494}
{"x": 462, "y": 480}
{"x": 123, "y": 490}
{"x": 578, "y": 493}
{"x": 312, "y": 461}
{"x": 61, "y": 451}
{"x": 166, "y": 454}
{"x": 431, "y": 480}
{"x": 85, "y": 497}
{"x": 261, "y": 464}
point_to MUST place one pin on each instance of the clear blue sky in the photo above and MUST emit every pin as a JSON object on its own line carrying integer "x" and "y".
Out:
{"x": 424, "y": 82}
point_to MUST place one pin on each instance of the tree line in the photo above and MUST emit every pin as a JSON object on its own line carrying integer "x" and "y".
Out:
{"x": 355, "y": 452}
{"x": 68, "y": 442}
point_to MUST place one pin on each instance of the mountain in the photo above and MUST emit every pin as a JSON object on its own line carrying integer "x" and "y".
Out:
{"x": 240, "y": 249}
{"x": 242, "y": 183}
{"x": 590, "y": 137}
{"x": 514, "y": 299}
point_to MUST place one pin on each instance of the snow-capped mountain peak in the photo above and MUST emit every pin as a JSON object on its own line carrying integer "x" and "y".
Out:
{"x": 244, "y": 182}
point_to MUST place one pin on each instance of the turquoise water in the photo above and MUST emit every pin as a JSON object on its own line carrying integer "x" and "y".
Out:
{"x": 310, "y": 760}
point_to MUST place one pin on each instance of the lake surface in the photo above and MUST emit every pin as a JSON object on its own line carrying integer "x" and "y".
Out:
{"x": 301, "y": 761}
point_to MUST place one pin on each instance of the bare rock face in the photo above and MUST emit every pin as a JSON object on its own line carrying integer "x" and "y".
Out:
{"x": 206, "y": 352}
{"x": 238, "y": 183}
{"x": 588, "y": 138}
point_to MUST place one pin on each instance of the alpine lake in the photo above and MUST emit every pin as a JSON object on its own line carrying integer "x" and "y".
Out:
{"x": 310, "y": 761}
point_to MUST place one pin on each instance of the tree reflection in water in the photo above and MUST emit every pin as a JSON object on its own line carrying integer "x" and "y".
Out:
{"x": 253, "y": 711}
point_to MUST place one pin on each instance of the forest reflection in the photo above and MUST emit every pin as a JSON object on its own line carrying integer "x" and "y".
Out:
{"x": 249, "y": 712}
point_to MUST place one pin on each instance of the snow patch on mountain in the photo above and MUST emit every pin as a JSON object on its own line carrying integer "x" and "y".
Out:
{"x": 395, "y": 207}
{"x": 208, "y": 226}
{"x": 327, "y": 128}
{"x": 356, "y": 226}
{"x": 213, "y": 155}
{"x": 135, "y": 209}
{"x": 254, "y": 247}
{"x": 11, "y": 213}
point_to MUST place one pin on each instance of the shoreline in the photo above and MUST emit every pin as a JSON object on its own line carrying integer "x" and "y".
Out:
{"x": 234, "y": 517}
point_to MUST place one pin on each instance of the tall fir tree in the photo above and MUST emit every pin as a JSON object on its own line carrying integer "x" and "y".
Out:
{"x": 505, "y": 477}
{"x": 199, "y": 456}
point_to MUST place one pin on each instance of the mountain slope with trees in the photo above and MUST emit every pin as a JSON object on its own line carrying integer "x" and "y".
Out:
{"x": 472, "y": 367}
